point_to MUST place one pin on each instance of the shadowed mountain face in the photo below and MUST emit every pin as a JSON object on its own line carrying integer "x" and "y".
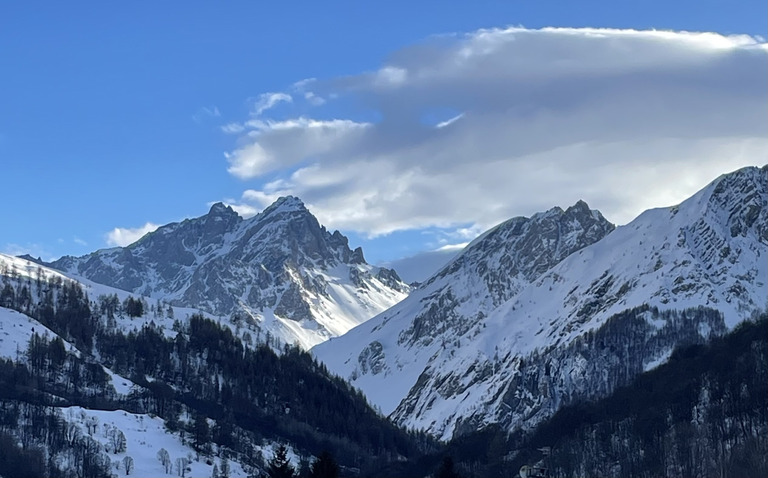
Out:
{"x": 301, "y": 282}
{"x": 541, "y": 312}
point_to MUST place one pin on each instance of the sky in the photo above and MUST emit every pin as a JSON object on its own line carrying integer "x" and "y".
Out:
{"x": 409, "y": 126}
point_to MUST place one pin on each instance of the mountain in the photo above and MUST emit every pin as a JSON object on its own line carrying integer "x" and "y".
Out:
{"x": 527, "y": 320}
{"x": 385, "y": 357}
{"x": 281, "y": 269}
{"x": 97, "y": 382}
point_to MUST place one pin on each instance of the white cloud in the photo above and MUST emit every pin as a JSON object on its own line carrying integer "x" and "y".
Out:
{"x": 233, "y": 128}
{"x": 390, "y": 76}
{"x": 301, "y": 85}
{"x": 266, "y": 101}
{"x": 206, "y": 112}
{"x": 123, "y": 236}
{"x": 277, "y": 144}
{"x": 626, "y": 120}
{"x": 421, "y": 266}
{"x": 244, "y": 210}
{"x": 79, "y": 241}
{"x": 253, "y": 202}
{"x": 449, "y": 121}
{"x": 313, "y": 99}
{"x": 452, "y": 247}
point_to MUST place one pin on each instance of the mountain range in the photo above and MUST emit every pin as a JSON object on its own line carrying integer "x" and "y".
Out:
{"x": 540, "y": 312}
{"x": 536, "y": 315}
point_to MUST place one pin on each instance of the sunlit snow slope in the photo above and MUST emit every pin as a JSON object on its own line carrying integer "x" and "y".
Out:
{"x": 464, "y": 351}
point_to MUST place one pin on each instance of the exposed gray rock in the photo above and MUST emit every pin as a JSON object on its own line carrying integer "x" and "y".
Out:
{"x": 219, "y": 262}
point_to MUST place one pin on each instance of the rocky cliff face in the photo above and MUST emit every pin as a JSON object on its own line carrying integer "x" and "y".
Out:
{"x": 520, "y": 323}
{"x": 298, "y": 281}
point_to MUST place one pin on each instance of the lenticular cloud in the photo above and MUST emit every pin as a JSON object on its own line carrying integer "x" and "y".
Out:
{"x": 623, "y": 119}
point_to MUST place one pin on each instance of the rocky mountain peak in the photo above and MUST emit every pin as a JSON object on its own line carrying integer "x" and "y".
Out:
{"x": 280, "y": 265}
{"x": 580, "y": 208}
{"x": 287, "y": 230}
{"x": 219, "y": 220}
{"x": 285, "y": 204}
{"x": 357, "y": 256}
{"x": 222, "y": 210}
{"x": 526, "y": 247}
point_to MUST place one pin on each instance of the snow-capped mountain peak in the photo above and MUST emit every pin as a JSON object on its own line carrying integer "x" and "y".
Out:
{"x": 296, "y": 281}
{"x": 385, "y": 356}
{"x": 285, "y": 204}
{"x": 540, "y": 312}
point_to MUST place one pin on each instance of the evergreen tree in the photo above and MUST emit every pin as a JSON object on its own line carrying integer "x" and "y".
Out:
{"x": 172, "y": 421}
{"x": 446, "y": 469}
{"x": 324, "y": 467}
{"x": 8, "y": 296}
{"x": 201, "y": 433}
{"x": 133, "y": 307}
{"x": 280, "y": 466}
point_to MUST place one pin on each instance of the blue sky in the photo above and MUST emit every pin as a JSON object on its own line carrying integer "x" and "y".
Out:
{"x": 119, "y": 115}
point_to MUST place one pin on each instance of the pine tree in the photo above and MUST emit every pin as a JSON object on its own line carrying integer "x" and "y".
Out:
{"x": 201, "y": 433}
{"x": 324, "y": 467}
{"x": 280, "y": 466}
{"x": 446, "y": 469}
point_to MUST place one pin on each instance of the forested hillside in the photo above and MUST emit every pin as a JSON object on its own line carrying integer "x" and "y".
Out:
{"x": 224, "y": 399}
{"x": 704, "y": 413}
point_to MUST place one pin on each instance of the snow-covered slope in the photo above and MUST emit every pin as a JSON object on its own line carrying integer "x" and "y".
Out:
{"x": 298, "y": 282}
{"x": 494, "y": 267}
{"x": 145, "y": 435}
{"x": 15, "y": 331}
{"x": 454, "y": 357}
{"x": 25, "y": 270}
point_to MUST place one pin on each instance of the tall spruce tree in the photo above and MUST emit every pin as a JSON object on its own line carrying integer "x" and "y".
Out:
{"x": 280, "y": 466}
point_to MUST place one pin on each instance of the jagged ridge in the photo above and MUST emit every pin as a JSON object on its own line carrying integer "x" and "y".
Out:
{"x": 298, "y": 281}
{"x": 491, "y": 269}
